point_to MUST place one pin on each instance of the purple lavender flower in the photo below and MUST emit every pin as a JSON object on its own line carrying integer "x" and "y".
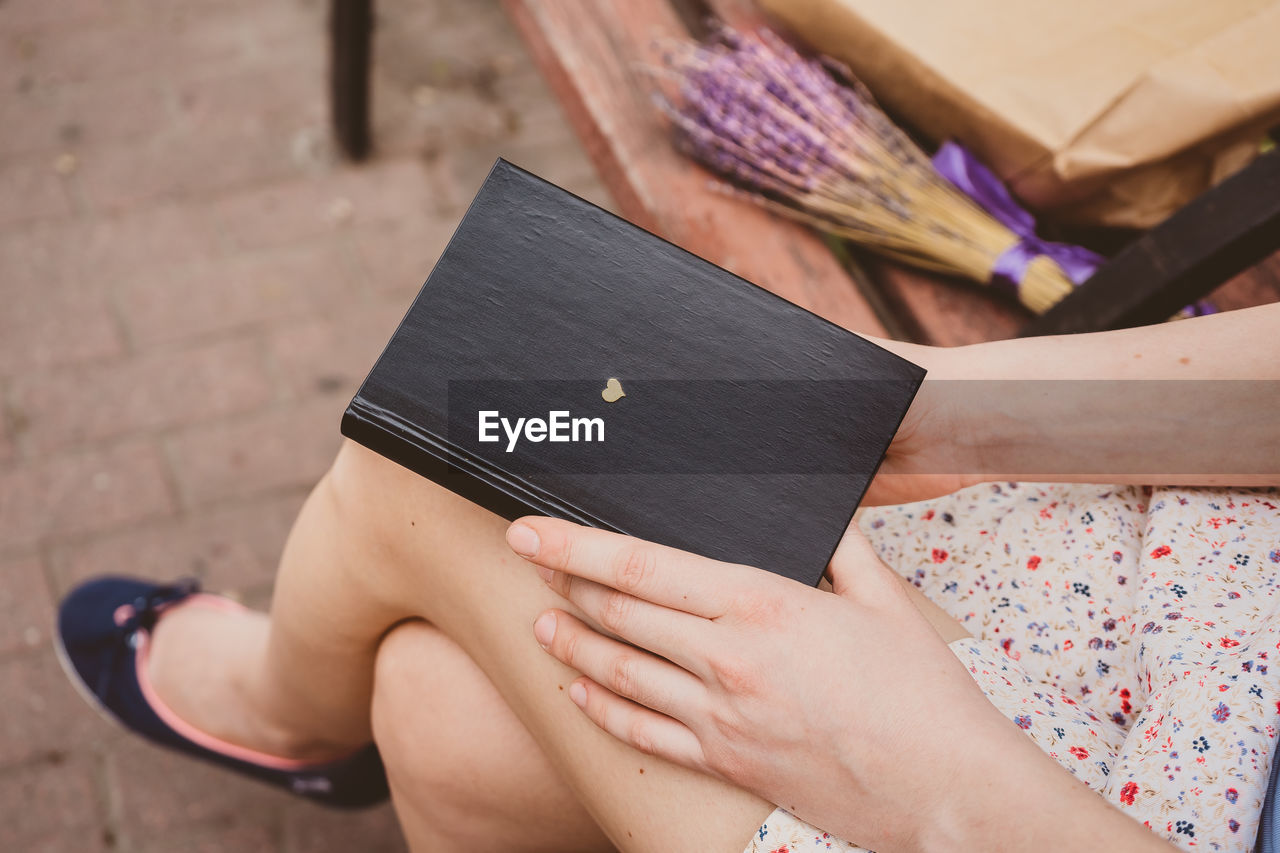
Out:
{"x": 802, "y": 137}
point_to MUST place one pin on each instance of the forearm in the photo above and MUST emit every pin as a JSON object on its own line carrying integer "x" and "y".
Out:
{"x": 1101, "y": 407}
{"x": 1241, "y": 344}
{"x": 1016, "y": 798}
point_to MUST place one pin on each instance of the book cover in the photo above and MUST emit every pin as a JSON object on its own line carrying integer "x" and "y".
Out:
{"x": 561, "y": 361}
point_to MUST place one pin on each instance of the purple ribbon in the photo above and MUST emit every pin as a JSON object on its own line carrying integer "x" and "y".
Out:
{"x": 955, "y": 163}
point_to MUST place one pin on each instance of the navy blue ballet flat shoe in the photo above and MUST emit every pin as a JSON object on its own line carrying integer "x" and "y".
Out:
{"x": 104, "y": 628}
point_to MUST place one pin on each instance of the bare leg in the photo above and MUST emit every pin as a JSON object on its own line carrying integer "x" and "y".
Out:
{"x": 298, "y": 684}
{"x": 464, "y": 773}
{"x": 376, "y": 545}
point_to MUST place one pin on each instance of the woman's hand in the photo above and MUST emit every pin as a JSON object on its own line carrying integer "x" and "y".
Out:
{"x": 929, "y": 456}
{"x": 847, "y": 709}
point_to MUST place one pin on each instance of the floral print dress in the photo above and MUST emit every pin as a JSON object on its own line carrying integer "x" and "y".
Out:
{"x": 1132, "y": 633}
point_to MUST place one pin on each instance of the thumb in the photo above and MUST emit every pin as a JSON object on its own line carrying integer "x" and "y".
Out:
{"x": 854, "y": 564}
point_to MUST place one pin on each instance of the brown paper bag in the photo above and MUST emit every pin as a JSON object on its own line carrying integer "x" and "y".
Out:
{"x": 1113, "y": 112}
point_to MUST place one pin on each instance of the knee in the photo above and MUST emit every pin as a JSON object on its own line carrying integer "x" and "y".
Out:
{"x": 432, "y": 731}
{"x": 464, "y": 772}
{"x": 415, "y": 666}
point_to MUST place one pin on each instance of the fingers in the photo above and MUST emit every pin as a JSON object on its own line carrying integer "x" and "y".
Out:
{"x": 626, "y": 671}
{"x": 680, "y": 637}
{"x": 639, "y": 727}
{"x": 655, "y": 573}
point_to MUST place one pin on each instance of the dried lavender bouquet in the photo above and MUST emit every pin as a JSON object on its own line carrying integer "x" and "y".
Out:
{"x": 804, "y": 138}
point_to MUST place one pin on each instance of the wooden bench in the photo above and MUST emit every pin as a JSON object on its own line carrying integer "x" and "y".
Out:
{"x": 592, "y": 53}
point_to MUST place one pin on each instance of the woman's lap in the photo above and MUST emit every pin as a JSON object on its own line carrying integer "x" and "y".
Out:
{"x": 1126, "y": 630}
{"x": 1050, "y": 580}
{"x": 439, "y": 558}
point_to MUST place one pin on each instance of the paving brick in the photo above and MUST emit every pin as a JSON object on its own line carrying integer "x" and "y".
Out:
{"x": 42, "y": 260}
{"x": 75, "y": 116}
{"x": 50, "y": 800}
{"x": 166, "y": 305}
{"x": 147, "y": 10}
{"x": 166, "y": 235}
{"x": 255, "y": 97}
{"x": 26, "y": 611}
{"x": 282, "y": 449}
{"x": 30, "y": 188}
{"x": 308, "y": 829}
{"x": 72, "y": 840}
{"x": 161, "y": 791}
{"x": 126, "y": 47}
{"x": 451, "y": 117}
{"x": 446, "y": 44}
{"x": 322, "y": 205}
{"x": 291, "y": 29}
{"x": 46, "y": 334}
{"x": 216, "y": 838}
{"x": 22, "y": 16}
{"x": 538, "y": 151}
{"x": 52, "y": 314}
{"x": 531, "y": 136}
{"x": 6, "y": 444}
{"x": 44, "y": 719}
{"x": 398, "y": 258}
{"x": 462, "y": 84}
{"x": 334, "y": 354}
{"x": 166, "y": 389}
{"x": 186, "y": 163}
{"x": 31, "y": 119}
{"x": 232, "y": 549}
{"x": 81, "y": 493}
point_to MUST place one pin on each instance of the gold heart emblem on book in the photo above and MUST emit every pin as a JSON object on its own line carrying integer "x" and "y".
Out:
{"x": 612, "y": 391}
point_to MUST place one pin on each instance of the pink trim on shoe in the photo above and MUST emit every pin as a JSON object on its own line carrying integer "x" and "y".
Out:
{"x": 186, "y": 730}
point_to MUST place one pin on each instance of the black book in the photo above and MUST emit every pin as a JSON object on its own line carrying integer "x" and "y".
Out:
{"x": 561, "y": 361}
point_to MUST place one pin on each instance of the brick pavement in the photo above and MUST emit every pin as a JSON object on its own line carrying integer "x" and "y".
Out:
{"x": 190, "y": 289}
